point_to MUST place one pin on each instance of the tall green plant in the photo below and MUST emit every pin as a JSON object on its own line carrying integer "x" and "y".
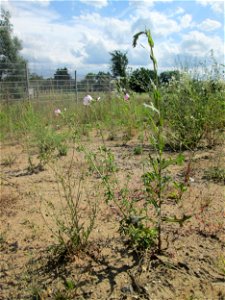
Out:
{"x": 73, "y": 217}
{"x": 142, "y": 229}
{"x": 156, "y": 180}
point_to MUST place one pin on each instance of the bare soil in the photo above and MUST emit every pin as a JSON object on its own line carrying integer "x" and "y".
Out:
{"x": 192, "y": 265}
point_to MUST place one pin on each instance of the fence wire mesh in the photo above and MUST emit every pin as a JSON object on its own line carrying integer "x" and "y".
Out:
{"x": 19, "y": 83}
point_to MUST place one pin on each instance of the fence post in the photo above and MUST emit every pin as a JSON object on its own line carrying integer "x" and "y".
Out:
{"x": 75, "y": 78}
{"x": 27, "y": 81}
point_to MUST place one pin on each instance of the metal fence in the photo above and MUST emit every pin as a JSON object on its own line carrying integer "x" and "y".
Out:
{"x": 19, "y": 84}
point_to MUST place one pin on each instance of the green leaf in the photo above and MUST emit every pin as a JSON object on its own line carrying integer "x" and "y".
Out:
{"x": 70, "y": 284}
{"x": 153, "y": 202}
{"x": 136, "y": 36}
{"x": 180, "y": 159}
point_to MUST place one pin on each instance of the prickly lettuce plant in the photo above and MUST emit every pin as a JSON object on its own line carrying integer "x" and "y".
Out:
{"x": 157, "y": 179}
{"x": 142, "y": 216}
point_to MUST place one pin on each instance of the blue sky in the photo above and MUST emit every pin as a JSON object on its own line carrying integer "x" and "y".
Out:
{"x": 80, "y": 34}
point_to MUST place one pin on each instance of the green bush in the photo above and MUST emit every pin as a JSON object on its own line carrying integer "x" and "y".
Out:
{"x": 191, "y": 110}
{"x": 140, "y": 80}
{"x": 167, "y": 76}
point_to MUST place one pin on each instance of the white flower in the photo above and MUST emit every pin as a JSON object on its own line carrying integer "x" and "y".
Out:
{"x": 98, "y": 99}
{"x": 87, "y": 100}
{"x": 57, "y": 112}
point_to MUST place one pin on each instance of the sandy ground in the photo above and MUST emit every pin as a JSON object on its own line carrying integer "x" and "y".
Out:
{"x": 191, "y": 267}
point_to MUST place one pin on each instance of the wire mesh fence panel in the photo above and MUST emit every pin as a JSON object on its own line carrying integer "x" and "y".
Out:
{"x": 13, "y": 81}
{"x": 21, "y": 84}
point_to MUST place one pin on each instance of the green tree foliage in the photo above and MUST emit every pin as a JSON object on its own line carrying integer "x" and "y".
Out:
{"x": 140, "y": 80}
{"x": 11, "y": 62}
{"x": 62, "y": 78}
{"x": 103, "y": 81}
{"x": 35, "y": 77}
{"x": 95, "y": 82}
{"x": 119, "y": 62}
{"x": 88, "y": 83}
{"x": 62, "y": 74}
{"x": 166, "y": 76}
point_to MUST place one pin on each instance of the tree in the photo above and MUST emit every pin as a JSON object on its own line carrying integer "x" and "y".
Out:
{"x": 62, "y": 77}
{"x": 95, "y": 82}
{"x": 140, "y": 80}
{"x": 166, "y": 76}
{"x": 103, "y": 81}
{"x": 119, "y": 63}
{"x": 12, "y": 65}
{"x": 62, "y": 74}
{"x": 35, "y": 77}
{"x": 88, "y": 83}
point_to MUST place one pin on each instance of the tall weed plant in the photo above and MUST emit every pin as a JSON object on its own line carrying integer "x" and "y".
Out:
{"x": 141, "y": 229}
{"x": 71, "y": 218}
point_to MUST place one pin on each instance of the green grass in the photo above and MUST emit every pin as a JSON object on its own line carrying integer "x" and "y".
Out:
{"x": 192, "y": 110}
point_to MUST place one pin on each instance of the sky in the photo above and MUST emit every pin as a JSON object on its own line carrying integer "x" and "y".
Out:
{"x": 80, "y": 34}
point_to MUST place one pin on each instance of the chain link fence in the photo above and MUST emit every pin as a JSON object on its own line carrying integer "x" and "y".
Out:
{"x": 23, "y": 84}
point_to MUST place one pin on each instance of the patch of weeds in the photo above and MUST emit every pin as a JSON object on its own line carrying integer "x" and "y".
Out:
{"x": 142, "y": 217}
{"x": 140, "y": 236}
{"x": 85, "y": 130}
{"x": 62, "y": 150}
{"x": 60, "y": 296}
{"x": 70, "y": 284}
{"x": 138, "y": 150}
{"x": 69, "y": 212}
{"x": 192, "y": 109}
{"x": 36, "y": 293}
{"x": 102, "y": 161}
{"x": 215, "y": 174}
{"x": 8, "y": 161}
{"x": 127, "y": 135}
{"x": 51, "y": 145}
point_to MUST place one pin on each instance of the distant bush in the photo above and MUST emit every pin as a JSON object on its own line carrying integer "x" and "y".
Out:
{"x": 140, "y": 80}
{"x": 166, "y": 76}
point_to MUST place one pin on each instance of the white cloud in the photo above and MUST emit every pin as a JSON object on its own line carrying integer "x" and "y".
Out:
{"x": 185, "y": 21}
{"x": 84, "y": 42}
{"x": 209, "y": 25}
{"x": 95, "y": 3}
{"x": 108, "y": 28}
{"x": 179, "y": 11}
{"x": 217, "y": 5}
{"x": 97, "y": 53}
{"x": 146, "y": 2}
{"x": 198, "y": 44}
{"x": 141, "y": 3}
{"x": 45, "y": 39}
{"x": 161, "y": 25}
{"x": 43, "y": 3}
